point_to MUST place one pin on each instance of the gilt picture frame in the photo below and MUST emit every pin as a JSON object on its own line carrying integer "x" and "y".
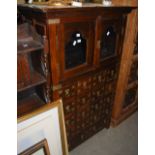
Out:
{"x": 47, "y": 123}
{"x": 41, "y": 148}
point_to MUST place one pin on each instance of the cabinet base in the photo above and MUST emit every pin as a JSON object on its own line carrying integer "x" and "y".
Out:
{"x": 123, "y": 116}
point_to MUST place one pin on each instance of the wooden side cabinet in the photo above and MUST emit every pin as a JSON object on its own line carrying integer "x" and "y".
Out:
{"x": 126, "y": 98}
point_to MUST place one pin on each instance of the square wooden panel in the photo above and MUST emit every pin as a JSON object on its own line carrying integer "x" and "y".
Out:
{"x": 69, "y": 106}
{"x": 70, "y": 122}
{"x": 83, "y": 85}
{"x": 98, "y": 80}
{"x": 83, "y": 119}
{"x": 68, "y": 90}
{"x": 83, "y": 101}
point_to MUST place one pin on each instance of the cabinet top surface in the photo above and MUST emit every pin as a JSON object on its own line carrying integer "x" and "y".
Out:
{"x": 46, "y": 8}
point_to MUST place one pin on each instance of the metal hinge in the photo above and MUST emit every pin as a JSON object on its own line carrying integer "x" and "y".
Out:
{"x": 56, "y": 87}
{"x": 54, "y": 21}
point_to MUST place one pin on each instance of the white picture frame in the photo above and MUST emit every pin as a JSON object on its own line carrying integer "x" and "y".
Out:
{"x": 44, "y": 123}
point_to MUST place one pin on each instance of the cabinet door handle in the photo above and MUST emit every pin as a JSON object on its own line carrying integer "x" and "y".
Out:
{"x": 54, "y": 21}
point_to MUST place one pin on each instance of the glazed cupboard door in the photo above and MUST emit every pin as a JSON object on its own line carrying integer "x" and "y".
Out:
{"x": 109, "y": 39}
{"x": 76, "y": 46}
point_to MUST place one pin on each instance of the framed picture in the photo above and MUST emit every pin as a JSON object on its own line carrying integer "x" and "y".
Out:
{"x": 44, "y": 123}
{"x": 40, "y": 148}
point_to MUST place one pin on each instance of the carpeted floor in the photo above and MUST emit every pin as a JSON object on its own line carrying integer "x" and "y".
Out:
{"x": 122, "y": 140}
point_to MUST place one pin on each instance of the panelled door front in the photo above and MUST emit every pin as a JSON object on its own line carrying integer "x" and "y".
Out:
{"x": 109, "y": 39}
{"x": 76, "y": 45}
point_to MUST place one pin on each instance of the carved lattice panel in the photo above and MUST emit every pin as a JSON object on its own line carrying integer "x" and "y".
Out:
{"x": 97, "y": 80}
{"x": 110, "y": 73}
{"x": 96, "y": 111}
{"x": 70, "y": 107}
{"x": 88, "y": 103}
{"x": 83, "y": 111}
{"x": 68, "y": 91}
{"x": 83, "y": 119}
{"x": 108, "y": 100}
{"x": 70, "y": 122}
{"x": 83, "y": 101}
{"x": 83, "y": 85}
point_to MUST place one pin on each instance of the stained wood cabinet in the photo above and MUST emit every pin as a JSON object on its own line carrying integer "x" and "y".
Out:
{"x": 85, "y": 46}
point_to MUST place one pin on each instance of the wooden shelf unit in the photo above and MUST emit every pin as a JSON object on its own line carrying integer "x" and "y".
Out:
{"x": 32, "y": 72}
